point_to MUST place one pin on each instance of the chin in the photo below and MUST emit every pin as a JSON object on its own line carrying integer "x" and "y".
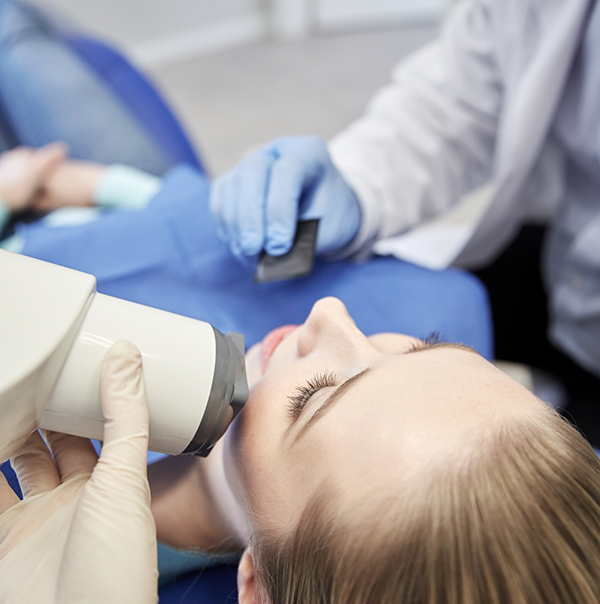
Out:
{"x": 253, "y": 368}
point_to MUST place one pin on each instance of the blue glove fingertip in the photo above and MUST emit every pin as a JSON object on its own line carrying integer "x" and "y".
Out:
{"x": 250, "y": 244}
{"x": 278, "y": 247}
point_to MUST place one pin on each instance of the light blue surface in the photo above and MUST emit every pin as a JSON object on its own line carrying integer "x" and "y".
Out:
{"x": 169, "y": 257}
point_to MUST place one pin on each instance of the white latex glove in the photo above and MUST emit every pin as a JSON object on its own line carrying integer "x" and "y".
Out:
{"x": 84, "y": 532}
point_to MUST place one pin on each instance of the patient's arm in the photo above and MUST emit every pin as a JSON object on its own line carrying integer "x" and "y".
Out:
{"x": 72, "y": 183}
{"x": 24, "y": 172}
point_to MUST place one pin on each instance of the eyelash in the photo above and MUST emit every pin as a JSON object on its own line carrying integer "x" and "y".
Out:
{"x": 429, "y": 340}
{"x": 302, "y": 394}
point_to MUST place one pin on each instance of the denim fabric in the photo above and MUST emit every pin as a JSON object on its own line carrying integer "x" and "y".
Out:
{"x": 47, "y": 93}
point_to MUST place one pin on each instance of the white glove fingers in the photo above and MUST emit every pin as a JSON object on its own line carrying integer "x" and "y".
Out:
{"x": 8, "y": 497}
{"x": 34, "y": 467}
{"x": 285, "y": 191}
{"x": 123, "y": 399}
{"x": 73, "y": 455}
{"x": 116, "y": 504}
{"x": 22, "y": 151}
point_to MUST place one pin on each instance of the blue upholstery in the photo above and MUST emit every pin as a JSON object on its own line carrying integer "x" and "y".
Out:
{"x": 11, "y": 477}
{"x": 213, "y": 586}
{"x": 136, "y": 92}
{"x": 168, "y": 256}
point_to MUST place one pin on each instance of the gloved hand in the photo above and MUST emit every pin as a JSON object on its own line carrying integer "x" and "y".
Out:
{"x": 258, "y": 203}
{"x": 84, "y": 532}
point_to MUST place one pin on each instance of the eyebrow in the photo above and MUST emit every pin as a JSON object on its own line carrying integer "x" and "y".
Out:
{"x": 422, "y": 346}
{"x": 339, "y": 392}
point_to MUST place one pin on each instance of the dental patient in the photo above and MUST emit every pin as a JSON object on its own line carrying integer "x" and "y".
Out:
{"x": 387, "y": 469}
{"x": 363, "y": 469}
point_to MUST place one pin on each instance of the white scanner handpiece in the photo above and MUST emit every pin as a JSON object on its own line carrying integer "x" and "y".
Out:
{"x": 54, "y": 332}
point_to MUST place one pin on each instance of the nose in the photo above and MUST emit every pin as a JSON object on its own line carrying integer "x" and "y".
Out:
{"x": 330, "y": 327}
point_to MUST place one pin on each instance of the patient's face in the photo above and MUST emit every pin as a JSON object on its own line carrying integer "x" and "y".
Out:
{"x": 330, "y": 407}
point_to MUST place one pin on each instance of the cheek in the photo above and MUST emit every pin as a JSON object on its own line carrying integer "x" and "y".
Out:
{"x": 253, "y": 369}
{"x": 253, "y": 443}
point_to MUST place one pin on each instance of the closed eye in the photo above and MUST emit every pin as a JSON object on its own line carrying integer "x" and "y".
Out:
{"x": 299, "y": 399}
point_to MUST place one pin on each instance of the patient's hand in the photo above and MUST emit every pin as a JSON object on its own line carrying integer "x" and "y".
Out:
{"x": 24, "y": 172}
{"x": 72, "y": 183}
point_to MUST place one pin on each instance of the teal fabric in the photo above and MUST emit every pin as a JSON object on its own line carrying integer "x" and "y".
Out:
{"x": 13, "y": 244}
{"x": 4, "y": 214}
{"x": 125, "y": 187}
{"x": 173, "y": 563}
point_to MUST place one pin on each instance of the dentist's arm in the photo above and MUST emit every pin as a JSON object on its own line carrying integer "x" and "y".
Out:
{"x": 425, "y": 140}
{"x": 84, "y": 531}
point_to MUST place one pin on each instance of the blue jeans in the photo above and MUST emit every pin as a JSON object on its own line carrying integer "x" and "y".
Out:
{"x": 47, "y": 94}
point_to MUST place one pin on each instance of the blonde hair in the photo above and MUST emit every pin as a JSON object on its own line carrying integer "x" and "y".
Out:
{"x": 517, "y": 523}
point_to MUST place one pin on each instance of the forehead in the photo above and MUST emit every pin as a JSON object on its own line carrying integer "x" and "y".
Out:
{"x": 417, "y": 403}
{"x": 432, "y": 373}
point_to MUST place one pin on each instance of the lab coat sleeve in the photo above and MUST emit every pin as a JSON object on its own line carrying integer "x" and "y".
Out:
{"x": 125, "y": 187}
{"x": 428, "y": 137}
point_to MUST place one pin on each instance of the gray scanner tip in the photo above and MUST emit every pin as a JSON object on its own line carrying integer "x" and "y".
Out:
{"x": 298, "y": 262}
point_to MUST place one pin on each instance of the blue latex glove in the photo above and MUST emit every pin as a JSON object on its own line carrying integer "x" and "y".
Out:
{"x": 258, "y": 203}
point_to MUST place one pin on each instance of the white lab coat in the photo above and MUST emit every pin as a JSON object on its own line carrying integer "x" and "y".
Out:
{"x": 454, "y": 152}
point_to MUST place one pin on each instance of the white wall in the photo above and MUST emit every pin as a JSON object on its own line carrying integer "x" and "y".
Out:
{"x": 299, "y": 19}
{"x": 343, "y": 14}
{"x": 157, "y": 31}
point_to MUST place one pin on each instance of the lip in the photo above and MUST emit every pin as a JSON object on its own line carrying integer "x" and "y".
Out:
{"x": 270, "y": 343}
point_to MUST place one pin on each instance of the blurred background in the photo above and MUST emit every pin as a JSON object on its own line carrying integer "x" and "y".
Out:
{"x": 241, "y": 72}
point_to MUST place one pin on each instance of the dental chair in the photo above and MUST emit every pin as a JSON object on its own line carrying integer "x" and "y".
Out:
{"x": 139, "y": 95}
